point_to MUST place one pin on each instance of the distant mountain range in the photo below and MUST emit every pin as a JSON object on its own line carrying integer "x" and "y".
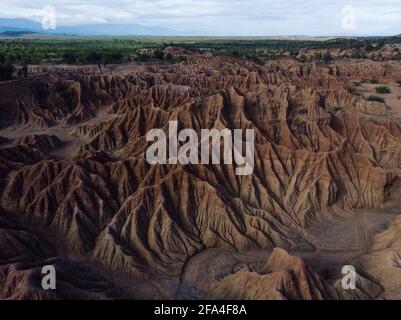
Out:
{"x": 19, "y": 26}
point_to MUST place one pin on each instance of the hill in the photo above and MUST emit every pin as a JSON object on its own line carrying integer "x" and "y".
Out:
{"x": 85, "y": 30}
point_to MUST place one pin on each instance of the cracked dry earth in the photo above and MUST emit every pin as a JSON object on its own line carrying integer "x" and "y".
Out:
{"x": 77, "y": 193}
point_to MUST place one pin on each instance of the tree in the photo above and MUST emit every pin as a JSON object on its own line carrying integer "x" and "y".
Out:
{"x": 236, "y": 53}
{"x": 159, "y": 54}
{"x": 69, "y": 57}
{"x": 97, "y": 58}
{"x": 24, "y": 69}
{"x": 117, "y": 56}
{"x": 6, "y": 71}
{"x": 25, "y": 61}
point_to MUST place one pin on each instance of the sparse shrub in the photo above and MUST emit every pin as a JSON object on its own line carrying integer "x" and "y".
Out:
{"x": 143, "y": 57}
{"x": 383, "y": 90}
{"x": 376, "y": 99}
{"x": 369, "y": 48}
{"x": 303, "y": 59}
{"x": 351, "y": 89}
{"x": 372, "y": 81}
{"x": 177, "y": 59}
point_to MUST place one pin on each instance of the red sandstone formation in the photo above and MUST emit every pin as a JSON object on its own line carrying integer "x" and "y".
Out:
{"x": 72, "y": 166}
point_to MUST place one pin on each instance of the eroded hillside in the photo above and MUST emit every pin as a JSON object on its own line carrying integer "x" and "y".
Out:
{"x": 77, "y": 192}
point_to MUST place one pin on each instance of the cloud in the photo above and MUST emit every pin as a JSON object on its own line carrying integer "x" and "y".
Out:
{"x": 223, "y": 17}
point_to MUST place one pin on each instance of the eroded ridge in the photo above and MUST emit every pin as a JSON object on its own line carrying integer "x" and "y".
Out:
{"x": 73, "y": 169}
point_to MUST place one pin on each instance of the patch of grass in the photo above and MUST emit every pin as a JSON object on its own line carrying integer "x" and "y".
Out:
{"x": 383, "y": 90}
{"x": 376, "y": 99}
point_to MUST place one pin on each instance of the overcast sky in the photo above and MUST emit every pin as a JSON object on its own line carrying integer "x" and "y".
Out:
{"x": 225, "y": 17}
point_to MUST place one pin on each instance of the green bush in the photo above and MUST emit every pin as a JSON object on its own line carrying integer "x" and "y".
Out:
{"x": 383, "y": 90}
{"x": 376, "y": 99}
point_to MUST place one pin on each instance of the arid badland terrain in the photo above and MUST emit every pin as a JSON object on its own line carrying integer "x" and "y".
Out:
{"x": 76, "y": 191}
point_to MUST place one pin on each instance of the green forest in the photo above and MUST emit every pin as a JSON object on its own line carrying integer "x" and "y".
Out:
{"x": 25, "y": 50}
